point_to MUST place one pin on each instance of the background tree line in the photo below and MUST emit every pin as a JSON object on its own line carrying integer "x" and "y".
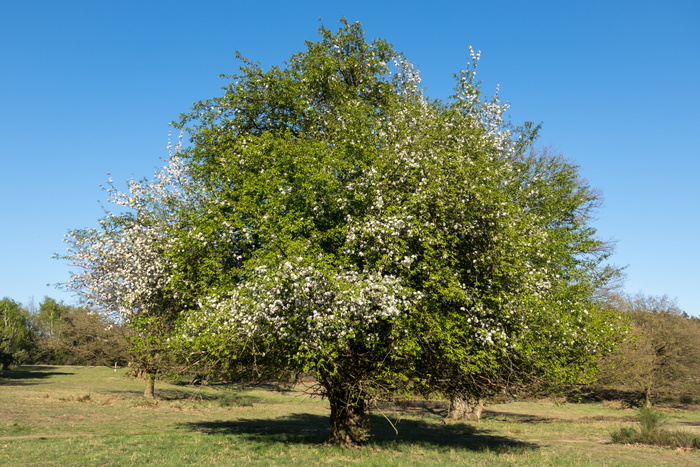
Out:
{"x": 658, "y": 357}
{"x": 59, "y": 334}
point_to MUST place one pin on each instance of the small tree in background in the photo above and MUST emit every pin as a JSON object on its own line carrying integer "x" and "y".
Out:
{"x": 71, "y": 335}
{"x": 16, "y": 336}
{"x": 49, "y": 315}
{"x": 660, "y": 354}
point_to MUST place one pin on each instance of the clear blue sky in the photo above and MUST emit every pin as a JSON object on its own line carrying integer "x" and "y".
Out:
{"x": 88, "y": 88}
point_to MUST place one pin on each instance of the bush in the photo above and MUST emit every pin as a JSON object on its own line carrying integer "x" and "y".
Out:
{"x": 688, "y": 399}
{"x": 625, "y": 436}
{"x": 650, "y": 420}
{"x": 234, "y": 400}
{"x": 6, "y": 361}
{"x": 651, "y": 432}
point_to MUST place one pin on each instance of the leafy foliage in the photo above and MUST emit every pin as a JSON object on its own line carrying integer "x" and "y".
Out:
{"x": 69, "y": 335}
{"x": 15, "y": 334}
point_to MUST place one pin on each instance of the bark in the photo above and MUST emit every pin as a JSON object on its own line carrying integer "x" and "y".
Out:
{"x": 469, "y": 408}
{"x": 647, "y": 397}
{"x": 349, "y": 427}
{"x": 150, "y": 391}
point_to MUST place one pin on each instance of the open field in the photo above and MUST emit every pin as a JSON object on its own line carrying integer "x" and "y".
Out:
{"x": 65, "y": 415}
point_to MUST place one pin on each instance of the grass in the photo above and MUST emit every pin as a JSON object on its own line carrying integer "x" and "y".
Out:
{"x": 96, "y": 416}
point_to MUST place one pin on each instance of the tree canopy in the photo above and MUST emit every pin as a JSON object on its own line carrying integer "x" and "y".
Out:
{"x": 330, "y": 219}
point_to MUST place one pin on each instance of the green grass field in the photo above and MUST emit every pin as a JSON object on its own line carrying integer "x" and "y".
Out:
{"x": 66, "y": 415}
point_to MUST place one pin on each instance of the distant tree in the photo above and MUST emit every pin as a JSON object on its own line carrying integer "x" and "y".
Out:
{"x": 50, "y": 314}
{"x": 71, "y": 335}
{"x": 660, "y": 354}
{"x": 16, "y": 339}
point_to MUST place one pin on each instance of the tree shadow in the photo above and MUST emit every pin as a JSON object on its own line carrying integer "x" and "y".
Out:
{"x": 26, "y": 375}
{"x": 419, "y": 406}
{"x": 296, "y": 428}
{"x": 193, "y": 395}
{"x": 456, "y": 435}
{"x": 502, "y": 416}
{"x": 313, "y": 429}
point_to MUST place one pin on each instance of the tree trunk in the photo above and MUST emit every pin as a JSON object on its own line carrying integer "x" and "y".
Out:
{"x": 469, "y": 408}
{"x": 647, "y": 397}
{"x": 349, "y": 427}
{"x": 150, "y": 391}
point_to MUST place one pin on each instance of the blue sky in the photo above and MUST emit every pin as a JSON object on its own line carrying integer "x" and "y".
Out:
{"x": 88, "y": 88}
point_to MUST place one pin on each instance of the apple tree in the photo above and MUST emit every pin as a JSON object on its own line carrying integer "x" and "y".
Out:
{"x": 354, "y": 229}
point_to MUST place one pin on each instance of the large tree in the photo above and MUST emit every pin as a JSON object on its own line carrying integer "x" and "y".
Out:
{"x": 330, "y": 219}
{"x": 380, "y": 240}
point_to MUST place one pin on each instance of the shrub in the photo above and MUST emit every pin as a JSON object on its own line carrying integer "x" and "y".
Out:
{"x": 651, "y": 432}
{"x": 234, "y": 400}
{"x": 688, "y": 399}
{"x": 650, "y": 420}
{"x": 625, "y": 435}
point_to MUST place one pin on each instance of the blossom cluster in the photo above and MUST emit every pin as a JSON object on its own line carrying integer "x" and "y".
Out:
{"x": 306, "y": 305}
{"x": 125, "y": 264}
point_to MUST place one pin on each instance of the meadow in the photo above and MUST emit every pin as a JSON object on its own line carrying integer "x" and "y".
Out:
{"x": 71, "y": 415}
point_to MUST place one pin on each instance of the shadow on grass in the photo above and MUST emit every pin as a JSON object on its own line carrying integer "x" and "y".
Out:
{"x": 168, "y": 394}
{"x": 26, "y": 375}
{"x": 313, "y": 429}
{"x": 516, "y": 417}
{"x": 194, "y": 395}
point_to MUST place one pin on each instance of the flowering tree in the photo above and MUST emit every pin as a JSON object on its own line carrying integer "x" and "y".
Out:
{"x": 330, "y": 219}
{"x": 356, "y": 230}
{"x": 125, "y": 266}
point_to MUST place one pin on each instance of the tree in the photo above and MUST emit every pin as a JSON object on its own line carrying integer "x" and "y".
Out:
{"x": 50, "y": 314}
{"x": 384, "y": 242}
{"x": 16, "y": 337}
{"x": 539, "y": 284}
{"x": 125, "y": 268}
{"x": 660, "y": 354}
{"x": 69, "y": 335}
